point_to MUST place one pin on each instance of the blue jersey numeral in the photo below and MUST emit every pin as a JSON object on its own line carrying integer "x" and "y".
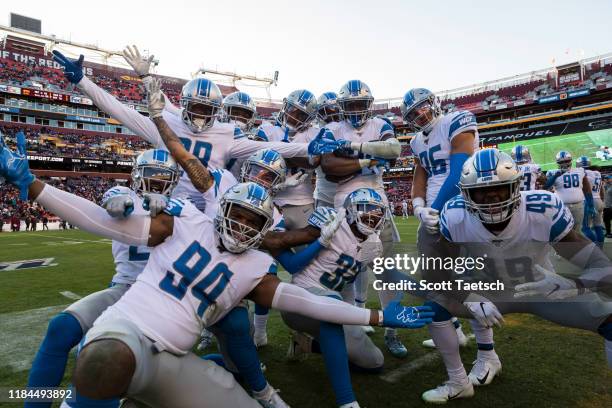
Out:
{"x": 432, "y": 165}
{"x": 526, "y": 186}
{"x": 596, "y": 184}
{"x": 571, "y": 180}
{"x": 135, "y": 256}
{"x": 189, "y": 266}
{"x": 201, "y": 150}
{"x": 538, "y": 202}
{"x": 346, "y": 271}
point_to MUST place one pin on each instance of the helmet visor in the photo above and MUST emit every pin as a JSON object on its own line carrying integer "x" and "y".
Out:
{"x": 153, "y": 179}
{"x": 260, "y": 175}
{"x": 240, "y": 115}
{"x": 420, "y": 116}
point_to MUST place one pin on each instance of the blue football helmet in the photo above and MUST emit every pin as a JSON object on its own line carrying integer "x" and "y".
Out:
{"x": 328, "y": 110}
{"x": 520, "y": 154}
{"x": 490, "y": 168}
{"x": 583, "y": 161}
{"x": 244, "y": 227}
{"x": 564, "y": 160}
{"x": 155, "y": 171}
{"x": 201, "y": 100}
{"x": 365, "y": 208}
{"x": 239, "y": 109}
{"x": 298, "y": 111}
{"x": 265, "y": 167}
{"x": 420, "y": 109}
{"x": 356, "y": 101}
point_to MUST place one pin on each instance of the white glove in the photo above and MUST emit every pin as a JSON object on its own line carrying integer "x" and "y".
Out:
{"x": 484, "y": 311}
{"x": 369, "y": 249}
{"x": 329, "y": 228}
{"x": 429, "y": 217}
{"x": 292, "y": 181}
{"x": 119, "y": 205}
{"x": 154, "y": 203}
{"x": 137, "y": 62}
{"x": 552, "y": 286}
{"x": 156, "y": 101}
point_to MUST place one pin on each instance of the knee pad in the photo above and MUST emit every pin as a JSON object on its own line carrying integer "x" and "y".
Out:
{"x": 441, "y": 314}
{"x": 605, "y": 330}
{"x": 236, "y": 322}
{"x": 64, "y": 332}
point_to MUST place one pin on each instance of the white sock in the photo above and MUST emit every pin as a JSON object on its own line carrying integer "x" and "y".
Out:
{"x": 447, "y": 342}
{"x": 260, "y": 322}
{"x": 609, "y": 352}
{"x": 361, "y": 288}
{"x": 483, "y": 335}
{"x": 263, "y": 394}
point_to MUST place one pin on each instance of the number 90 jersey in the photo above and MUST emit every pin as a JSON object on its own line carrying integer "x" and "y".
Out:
{"x": 433, "y": 150}
{"x": 334, "y": 266}
{"x": 189, "y": 282}
{"x": 129, "y": 260}
{"x": 568, "y": 185}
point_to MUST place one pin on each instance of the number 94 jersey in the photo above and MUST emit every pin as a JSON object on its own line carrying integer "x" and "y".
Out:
{"x": 189, "y": 282}
{"x": 433, "y": 150}
{"x": 334, "y": 266}
{"x": 568, "y": 185}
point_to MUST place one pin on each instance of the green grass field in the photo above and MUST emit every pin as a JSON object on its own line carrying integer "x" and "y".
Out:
{"x": 543, "y": 150}
{"x": 544, "y": 365}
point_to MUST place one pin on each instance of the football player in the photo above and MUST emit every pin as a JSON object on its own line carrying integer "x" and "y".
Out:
{"x": 441, "y": 145}
{"x": 154, "y": 175}
{"x": 492, "y": 216}
{"x": 369, "y": 144}
{"x": 572, "y": 186}
{"x": 140, "y": 346}
{"x": 329, "y": 116}
{"x": 593, "y": 227}
{"x": 532, "y": 173}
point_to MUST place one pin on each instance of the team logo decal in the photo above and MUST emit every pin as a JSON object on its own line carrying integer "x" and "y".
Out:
{"x": 26, "y": 264}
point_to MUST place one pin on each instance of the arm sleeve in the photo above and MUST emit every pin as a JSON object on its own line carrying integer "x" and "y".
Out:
{"x": 450, "y": 187}
{"x": 244, "y": 147}
{"x": 293, "y": 299}
{"x": 294, "y": 262}
{"x": 134, "y": 121}
{"x": 386, "y": 149}
{"x": 92, "y": 218}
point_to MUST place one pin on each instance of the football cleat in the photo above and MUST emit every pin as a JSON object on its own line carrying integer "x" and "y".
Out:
{"x": 463, "y": 340}
{"x": 448, "y": 391}
{"x": 206, "y": 340}
{"x": 269, "y": 398}
{"x": 395, "y": 346}
{"x": 299, "y": 346}
{"x": 369, "y": 330}
{"x": 484, "y": 371}
{"x": 260, "y": 338}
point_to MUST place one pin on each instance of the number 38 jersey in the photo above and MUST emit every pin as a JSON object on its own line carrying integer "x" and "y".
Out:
{"x": 568, "y": 185}
{"x": 334, "y": 266}
{"x": 189, "y": 282}
{"x": 129, "y": 260}
{"x": 433, "y": 150}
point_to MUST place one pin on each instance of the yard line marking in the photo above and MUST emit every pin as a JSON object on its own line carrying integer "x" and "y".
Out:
{"x": 395, "y": 375}
{"x": 70, "y": 295}
{"x": 18, "y": 244}
{"x": 100, "y": 241}
{"x": 21, "y": 334}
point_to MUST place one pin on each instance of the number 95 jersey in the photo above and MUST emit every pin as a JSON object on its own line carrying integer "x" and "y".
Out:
{"x": 334, "y": 266}
{"x": 189, "y": 282}
{"x": 433, "y": 150}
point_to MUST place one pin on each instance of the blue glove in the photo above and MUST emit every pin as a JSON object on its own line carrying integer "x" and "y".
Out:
{"x": 14, "y": 166}
{"x": 407, "y": 317}
{"x": 322, "y": 144}
{"x": 73, "y": 69}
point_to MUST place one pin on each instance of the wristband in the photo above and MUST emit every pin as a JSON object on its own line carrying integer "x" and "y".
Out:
{"x": 365, "y": 163}
{"x": 418, "y": 202}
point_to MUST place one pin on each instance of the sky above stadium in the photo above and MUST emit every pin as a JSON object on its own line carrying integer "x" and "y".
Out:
{"x": 392, "y": 45}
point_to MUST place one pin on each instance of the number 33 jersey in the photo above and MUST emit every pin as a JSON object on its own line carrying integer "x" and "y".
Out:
{"x": 433, "y": 150}
{"x": 189, "y": 282}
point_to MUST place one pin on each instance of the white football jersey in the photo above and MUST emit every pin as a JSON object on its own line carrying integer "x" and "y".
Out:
{"x": 129, "y": 260}
{"x": 433, "y": 150}
{"x": 531, "y": 172}
{"x": 375, "y": 129}
{"x": 298, "y": 195}
{"x": 595, "y": 181}
{"x": 568, "y": 185}
{"x": 541, "y": 218}
{"x": 334, "y": 266}
{"x": 189, "y": 282}
{"x": 325, "y": 190}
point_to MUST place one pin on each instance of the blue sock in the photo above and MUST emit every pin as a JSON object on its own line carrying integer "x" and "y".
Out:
{"x": 261, "y": 310}
{"x": 599, "y": 233}
{"x": 63, "y": 333}
{"x": 215, "y": 358}
{"x": 240, "y": 347}
{"x": 84, "y": 402}
{"x": 333, "y": 348}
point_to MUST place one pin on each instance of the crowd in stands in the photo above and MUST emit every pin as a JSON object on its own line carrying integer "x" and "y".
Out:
{"x": 13, "y": 210}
